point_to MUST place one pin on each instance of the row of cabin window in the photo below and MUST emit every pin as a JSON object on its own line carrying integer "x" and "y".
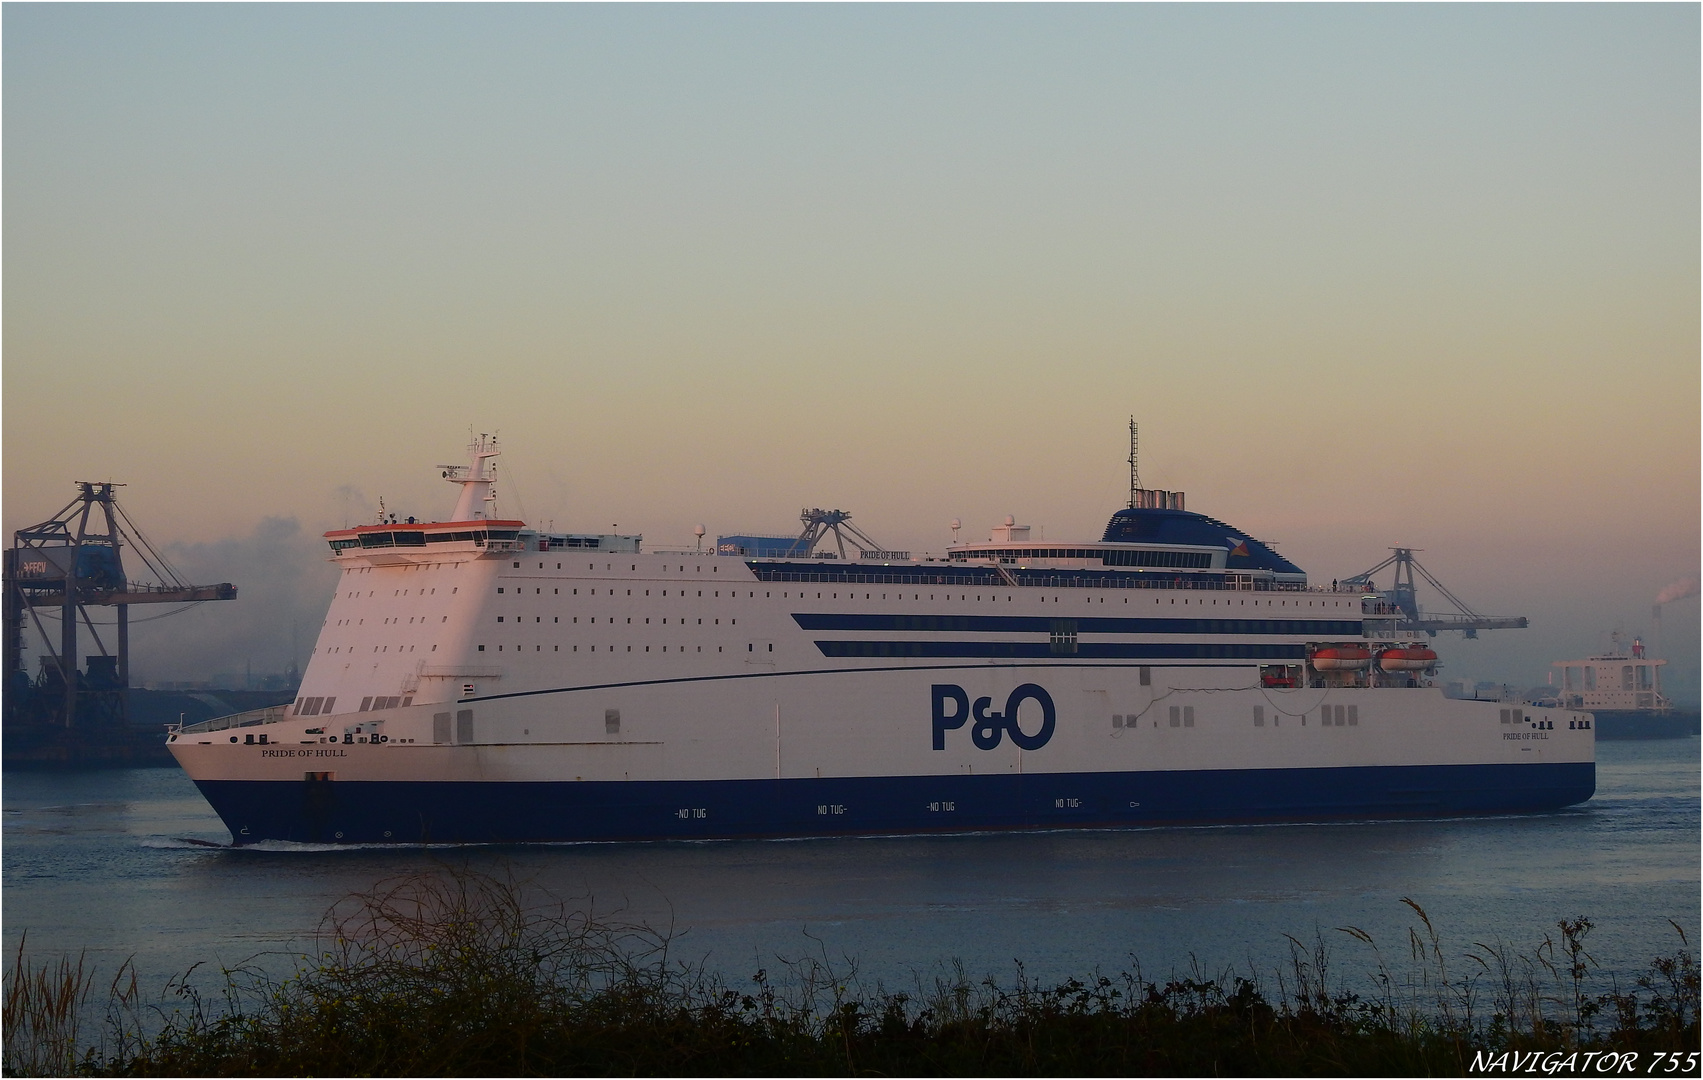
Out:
{"x": 611, "y": 621}
{"x": 1196, "y": 560}
{"x": 385, "y": 648}
{"x": 1040, "y": 579}
{"x": 787, "y": 595}
{"x": 396, "y": 621}
{"x": 1183, "y": 716}
{"x": 749, "y": 647}
{"x": 632, "y": 567}
{"x": 1056, "y": 599}
{"x": 539, "y": 591}
{"x": 734, "y": 594}
{"x": 1180, "y": 716}
{"x": 314, "y": 706}
{"x": 464, "y": 730}
{"x": 1518, "y": 716}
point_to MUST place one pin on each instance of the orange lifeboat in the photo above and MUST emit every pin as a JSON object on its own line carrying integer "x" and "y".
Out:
{"x": 1341, "y": 658}
{"x": 1406, "y": 659}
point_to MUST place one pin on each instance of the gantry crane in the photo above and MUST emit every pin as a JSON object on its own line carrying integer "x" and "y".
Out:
{"x": 1403, "y": 595}
{"x": 818, "y": 523}
{"x": 61, "y": 568}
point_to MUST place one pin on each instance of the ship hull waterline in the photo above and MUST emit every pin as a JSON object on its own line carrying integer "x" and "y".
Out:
{"x": 475, "y": 812}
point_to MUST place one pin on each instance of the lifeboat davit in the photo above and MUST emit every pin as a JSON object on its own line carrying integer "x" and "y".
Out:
{"x": 1341, "y": 658}
{"x": 1406, "y": 659}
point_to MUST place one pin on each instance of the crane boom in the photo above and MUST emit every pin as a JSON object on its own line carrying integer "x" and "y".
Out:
{"x": 1403, "y": 593}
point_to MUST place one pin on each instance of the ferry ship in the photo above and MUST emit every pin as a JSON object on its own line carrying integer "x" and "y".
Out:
{"x": 1622, "y": 690}
{"x": 480, "y": 680}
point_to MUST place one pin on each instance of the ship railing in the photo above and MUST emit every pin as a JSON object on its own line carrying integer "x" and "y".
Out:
{"x": 1024, "y": 578}
{"x": 271, "y": 715}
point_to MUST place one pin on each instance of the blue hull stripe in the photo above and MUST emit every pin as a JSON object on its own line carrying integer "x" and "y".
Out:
{"x": 1090, "y": 650}
{"x": 487, "y": 812}
{"x": 1028, "y": 624}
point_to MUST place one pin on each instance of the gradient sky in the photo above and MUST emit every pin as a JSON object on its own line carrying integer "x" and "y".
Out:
{"x": 1366, "y": 275}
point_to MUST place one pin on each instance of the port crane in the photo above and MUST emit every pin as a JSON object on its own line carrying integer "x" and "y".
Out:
{"x": 818, "y": 523}
{"x": 60, "y": 569}
{"x": 1403, "y": 594}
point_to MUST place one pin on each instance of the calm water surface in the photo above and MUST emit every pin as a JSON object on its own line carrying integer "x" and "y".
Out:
{"x": 98, "y": 861}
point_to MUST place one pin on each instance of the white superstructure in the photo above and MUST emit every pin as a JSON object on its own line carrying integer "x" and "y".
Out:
{"x": 479, "y": 679}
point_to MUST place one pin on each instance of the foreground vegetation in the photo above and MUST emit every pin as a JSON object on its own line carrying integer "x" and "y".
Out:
{"x": 452, "y": 973}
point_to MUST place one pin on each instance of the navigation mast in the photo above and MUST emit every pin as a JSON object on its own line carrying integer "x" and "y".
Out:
{"x": 1134, "y": 455}
{"x": 478, "y": 482}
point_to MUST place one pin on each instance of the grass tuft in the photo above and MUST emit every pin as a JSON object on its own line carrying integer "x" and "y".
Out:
{"x": 454, "y": 973}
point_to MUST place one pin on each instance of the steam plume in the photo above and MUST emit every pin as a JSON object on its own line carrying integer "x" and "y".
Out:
{"x": 1679, "y": 590}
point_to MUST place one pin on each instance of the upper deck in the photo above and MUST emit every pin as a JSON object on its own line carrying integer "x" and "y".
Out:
{"x": 477, "y": 536}
{"x": 1159, "y": 545}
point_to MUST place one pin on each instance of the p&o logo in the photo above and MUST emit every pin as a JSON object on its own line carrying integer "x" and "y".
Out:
{"x": 991, "y": 727}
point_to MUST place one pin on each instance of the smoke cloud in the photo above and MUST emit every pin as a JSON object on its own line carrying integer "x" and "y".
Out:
{"x": 1679, "y": 590}
{"x": 284, "y": 586}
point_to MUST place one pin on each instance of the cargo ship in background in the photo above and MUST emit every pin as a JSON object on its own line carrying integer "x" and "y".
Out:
{"x": 478, "y": 680}
{"x": 1622, "y": 690}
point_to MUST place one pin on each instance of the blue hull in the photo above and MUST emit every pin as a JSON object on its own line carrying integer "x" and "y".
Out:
{"x": 1645, "y": 723}
{"x": 397, "y": 812}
